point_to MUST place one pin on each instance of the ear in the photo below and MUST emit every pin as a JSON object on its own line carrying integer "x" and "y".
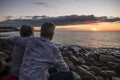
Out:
{"x": 51, "y": 37}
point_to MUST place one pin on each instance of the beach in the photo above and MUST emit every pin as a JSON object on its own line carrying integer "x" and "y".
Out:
{"x": 87, "y": 63}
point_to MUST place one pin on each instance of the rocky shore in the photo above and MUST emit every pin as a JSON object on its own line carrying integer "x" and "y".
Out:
{"x": 87, "y": 63}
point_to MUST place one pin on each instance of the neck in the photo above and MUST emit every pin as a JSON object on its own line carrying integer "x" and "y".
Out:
{"x": 49, "y": 38}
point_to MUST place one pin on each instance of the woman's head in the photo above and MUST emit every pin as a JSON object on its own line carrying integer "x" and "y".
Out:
{"x": 26, "y": 30}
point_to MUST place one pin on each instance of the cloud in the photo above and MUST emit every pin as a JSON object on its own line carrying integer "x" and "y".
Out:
{"x": 42, "y": 4}
{"x": 8, "y": 17}
{"x": 60, "y": 20}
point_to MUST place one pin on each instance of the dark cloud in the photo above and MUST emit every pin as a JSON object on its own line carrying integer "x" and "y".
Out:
{"x": 42, "y": 4}
{"x": 60, "y": 20}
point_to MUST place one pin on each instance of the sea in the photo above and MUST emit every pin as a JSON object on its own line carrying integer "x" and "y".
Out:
{"x": 97, "y": 39}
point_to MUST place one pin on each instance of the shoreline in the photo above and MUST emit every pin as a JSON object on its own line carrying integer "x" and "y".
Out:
{"x": 6, "y": 37}
{"x": 89, "y": 39}
{"x": 86, "y": 63}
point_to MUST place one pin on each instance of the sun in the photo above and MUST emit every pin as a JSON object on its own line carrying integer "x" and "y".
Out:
{"x": 94, "y": 29}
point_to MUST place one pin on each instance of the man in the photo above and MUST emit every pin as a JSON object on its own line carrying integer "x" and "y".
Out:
{"x": 40, "y": 53}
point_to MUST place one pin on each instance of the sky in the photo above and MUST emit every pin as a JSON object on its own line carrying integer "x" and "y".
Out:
{"x": 59, "y": 7}
{"x": 105, "y": 26}
{"x": 54, "y": 8}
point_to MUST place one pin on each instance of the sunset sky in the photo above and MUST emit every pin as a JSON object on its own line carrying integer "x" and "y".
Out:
{"x": 105, "y": 26}
{"x": 17, "y": 8}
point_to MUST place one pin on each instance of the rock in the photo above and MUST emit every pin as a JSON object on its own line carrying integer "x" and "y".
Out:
{"x": 69, "y": 63}
{"x": 92, "y": 72}
{"x": 108, "y": 58}
{"x": 111, "y": 65}
{"x": 74, "y": 49}
{"x": 82, "y": 50}
{"x": 85, "y": 74}
{"x": 90, "y": 61}
{"x": 115, "y": 78}
{"x": 95, "y": 56}
{"x": 106, "y": 78}
{"x": 85, "y": 67}
{"x": 87, "y": 63}
{"x": 104, "y": 68}
{"x": 100, "y": 78}
{"x": 87, "y": 77}
{"x": 9, "y": 59}
{"x": 67, "y": 53}
{"x": 108, "y": 73}
{"x": 2, "y": 65}
{"x": 116, "y": 53}
{"x": 117, "y": 69}
{"x": 99, "y": 64}
{"x": 76, "y": 75}
{"x": 96, "y": 69}
{"x": 81, "y": 60}
{"x": 74, "y": 59}
{"x": 63, "y": 54}
{"x": 3, "y": 56}
{"x": 8, "y": 52}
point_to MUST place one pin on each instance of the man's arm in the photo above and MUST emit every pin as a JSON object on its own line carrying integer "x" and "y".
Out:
{"x": 59, "y": 62}
{"x": 22, "y": 41}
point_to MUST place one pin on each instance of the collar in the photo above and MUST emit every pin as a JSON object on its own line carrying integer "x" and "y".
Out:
{"x": 45, "y": 39}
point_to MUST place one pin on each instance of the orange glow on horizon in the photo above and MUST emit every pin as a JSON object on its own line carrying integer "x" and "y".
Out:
{"x": 104, "y": 26}
{"x": 94, "y": 29}
{"x": 37, "y": 28}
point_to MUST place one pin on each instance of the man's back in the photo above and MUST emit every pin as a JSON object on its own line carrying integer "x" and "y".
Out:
{"x": 17, "y": 57}
{"x": 40, "y": 53}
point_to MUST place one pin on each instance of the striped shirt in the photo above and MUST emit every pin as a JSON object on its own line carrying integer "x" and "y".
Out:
{"x": 17, "y": 55}
{"x": 40, "y": 53}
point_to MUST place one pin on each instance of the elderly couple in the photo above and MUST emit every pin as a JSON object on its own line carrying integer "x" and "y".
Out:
{"x": 33, "y": 56}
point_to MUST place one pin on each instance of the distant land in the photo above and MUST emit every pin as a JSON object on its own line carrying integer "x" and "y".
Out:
{"x": 60, "y": 20}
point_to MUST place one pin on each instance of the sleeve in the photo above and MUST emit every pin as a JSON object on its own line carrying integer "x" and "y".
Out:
{"x": 59, "y": 62}
{"x": 22, "y": 41}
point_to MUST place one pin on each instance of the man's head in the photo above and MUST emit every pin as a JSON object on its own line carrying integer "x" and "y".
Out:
{"x": 47, "y": 30}
{"x": 26, "y": 30}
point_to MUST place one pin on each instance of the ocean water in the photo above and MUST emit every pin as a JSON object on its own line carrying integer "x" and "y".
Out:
{"x": 110, "y": 39}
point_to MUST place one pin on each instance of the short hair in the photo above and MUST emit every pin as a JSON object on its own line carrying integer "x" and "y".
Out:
{"x": 47, "y": 29}
{"x": 26, "y": 30}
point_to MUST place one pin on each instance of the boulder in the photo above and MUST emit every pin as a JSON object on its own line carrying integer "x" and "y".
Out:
{"x": 95, "y": 56}
{"x": 67, "y": 53}
{"x": 100, "y": 78}
{"x": 76, "y": 75}
{"x": 85, "y": 74}
{"x": 69, "y": 63}
{"x": 2, "y": 65}
{"x": 74, "y": 49}
{"x": 90, "y": 61}
{"x": 117, "y": 69}
{"x": 74, "y": 59}
{"x": 3, "y": 56}
{"x": 115, "y": 78}
{"x": 108, "y": 73}
{"x": 85, "y": 67}
{"x": 111, "y": 65}
{"x": 81, "y": 60}
{"x": 108, "y": 58}
{"x": 104, "y": 67}
{"x": 96, "y": 69}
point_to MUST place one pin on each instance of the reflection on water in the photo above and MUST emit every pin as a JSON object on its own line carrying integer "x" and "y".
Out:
{"x": 82, "y": 38}
{"x": 92, "y": 39}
